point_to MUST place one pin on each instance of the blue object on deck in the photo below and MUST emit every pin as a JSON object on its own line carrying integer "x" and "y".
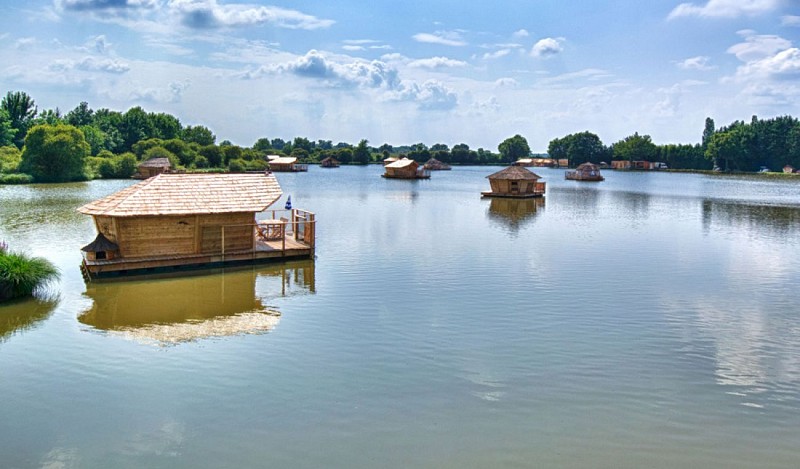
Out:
{"x": 288, "y": 203}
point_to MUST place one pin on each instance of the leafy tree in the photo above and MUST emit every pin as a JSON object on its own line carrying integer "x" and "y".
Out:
{"x": 80, "y": 116}
{"x": 361, "y": 154}
{"x": 635, "y": 147}
{"x": 118, "y": 166}
{"x": 55, "y": 153}
{"x": 262, "y": 144}
{"x": 7, "y": 131}
{"x": 140, "y": 147}
{"x": 304, "y": 143}
{"x": 48, "y": 116}
{"x": 231, "y": 152}
{"x": 212, "y": 154}
{"x": 345, "y": 155}
{"x": 198, "y": 134}
{"x": 184, "y": 151}
{"x": 278, "y": 143}
{"x": 109, "y": 122}
{"x": 95, "y": 137}
{"x": 708, "y": 132}
{"x": 325, "y": 144}
{"x": 165, "y": 126}
{"x": 134, "y": 127}
{"x": 578, "y": 148}
{"x": 725, "y": 148}
{"x": 21, "y": 110}
{"x": 514, "y": 148}
{"x": 10, "y": 157}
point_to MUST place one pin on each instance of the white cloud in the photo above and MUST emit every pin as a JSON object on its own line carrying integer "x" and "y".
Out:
{"x": 352, "y": 48}
{"x": 547, "y": 47}
{"x": 437, "y": 62}
{"x": 203, "y": 14}
{"x": 431, "y": 95}
{"x": 521, "y": 33}
{"x": 758, "y": 46}
{"x": 496, "y": 54}
{"x": 445, "y": 38}
{"x": 790, "y": 20}
{"x": 724, "y": 8}
{"x": 25, "y": 43}
{"x": 696, "y": 63}
{"x": 506, "y": 82}
{"x": 171, "y": 94}
{"x": 105, "y": 5}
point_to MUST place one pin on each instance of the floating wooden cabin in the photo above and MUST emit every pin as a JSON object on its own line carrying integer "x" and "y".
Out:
{"x": 788, "y": 169}
{"x": 585, "y": 172}
{"x": 435, "y": 165}
{"x": 405, "y": 168}
{"x": 515, "y": 182}
{"x": 329, "y": 162}
{"x": 153, "y": 167}
{"x": 286, "y": 164}
{"x": 194, "y": 220}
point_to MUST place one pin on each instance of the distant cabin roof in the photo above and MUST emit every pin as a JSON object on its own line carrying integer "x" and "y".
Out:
{"x": 156, "y": 163}
{"x": 189, "y": 194}
{"x": 515, "y": 173}
{"x": 391, "y": 159}
{"x": 284, "y": 160}
{"x": 587, "y": 166}
{"x": 401, "y": 163}
{"x": 525, "y": 160}
{"x": 330, "y": 158}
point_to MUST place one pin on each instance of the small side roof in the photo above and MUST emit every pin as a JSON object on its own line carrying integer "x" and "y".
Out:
{"x": 188, "y": 194}
{"x": 156, "y": 163}
{"x": 515, "y": 173}
{"x": 100, "y": 244}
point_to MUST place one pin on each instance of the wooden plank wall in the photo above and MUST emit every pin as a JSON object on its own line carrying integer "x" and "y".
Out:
{"x": 237, "y": 238}
{"x": 156, "y": 236}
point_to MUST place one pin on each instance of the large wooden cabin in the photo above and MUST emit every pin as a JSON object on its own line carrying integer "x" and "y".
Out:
{"x": 515, "y": 182}
{"x": 194, "y": 220}
{"x": 405, "y": 168}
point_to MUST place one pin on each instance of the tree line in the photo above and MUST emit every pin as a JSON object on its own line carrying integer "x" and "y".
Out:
{"x": 48, "y": 146}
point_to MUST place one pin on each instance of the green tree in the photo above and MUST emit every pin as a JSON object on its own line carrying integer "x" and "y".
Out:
{"x": 635, "y": 147}
{"x": 725, "y": 149}
{"x": 95, "y": 137}
{"x": 262, "y": 145}
{"x": 81, "y": 115}
{"x": 361, "y": 154}
{"x": 198, "y": 134}
{"x": 708, "y": 132}
{"x": 55, "y": 153}
{"x": 10, "y": 157}
{"x": 7, "y": 131}
{"x": 21, "y": 109}
{"x": 134, "y": 127}
{"x": 514, "y": 148}
{"x": 165, "y": 126}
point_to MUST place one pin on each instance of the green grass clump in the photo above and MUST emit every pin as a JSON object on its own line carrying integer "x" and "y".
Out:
{"x": 22, "y": 275}
{"x": 16, "y": 178}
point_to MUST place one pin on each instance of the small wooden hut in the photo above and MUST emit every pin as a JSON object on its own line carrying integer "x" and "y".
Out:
{"x": 405, "y": 168}
{"x": 286, "y": 164}
{"x": 516, "y": 182}
{"x": 153, "y": 167}
{"x": 329, "y": 162}
{"x": 435, "y": 165}
{"x": 174, "y": 220}
{"x": 585, "y": 172}
{"x": 788, "y": 169}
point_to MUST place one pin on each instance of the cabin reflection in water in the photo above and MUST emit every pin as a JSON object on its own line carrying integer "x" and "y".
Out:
{"x": 514, "y": 213}
{"x": 174, "y": 310}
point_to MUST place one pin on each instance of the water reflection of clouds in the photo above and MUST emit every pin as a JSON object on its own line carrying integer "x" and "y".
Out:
{"x": 170, "y": 311}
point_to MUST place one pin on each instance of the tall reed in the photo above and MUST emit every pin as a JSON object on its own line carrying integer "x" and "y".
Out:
{"x": 22, "y": 275}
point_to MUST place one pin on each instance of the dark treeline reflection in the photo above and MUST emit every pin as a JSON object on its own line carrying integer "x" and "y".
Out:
{"x": 779, "y": 220}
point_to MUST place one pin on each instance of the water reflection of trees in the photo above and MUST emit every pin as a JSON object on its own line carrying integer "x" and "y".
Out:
{"x": 514, "y": 213}
{"x": 174, "y": 310}
{"x": 774, "y": 219}
{"x": 24, "y": 314}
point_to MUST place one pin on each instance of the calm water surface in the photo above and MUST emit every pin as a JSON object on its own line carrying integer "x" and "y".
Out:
{"x": 650, "y": 320}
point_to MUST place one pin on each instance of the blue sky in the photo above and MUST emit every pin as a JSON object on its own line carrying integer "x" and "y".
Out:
{"x": 413, "y": 71}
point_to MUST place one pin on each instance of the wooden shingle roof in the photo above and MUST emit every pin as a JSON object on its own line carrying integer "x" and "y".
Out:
{"x": 188, "y": 194}
{"x": 284, "y": 160}
{"x": 156, "y": 163}
{"x": 517, "y": 173}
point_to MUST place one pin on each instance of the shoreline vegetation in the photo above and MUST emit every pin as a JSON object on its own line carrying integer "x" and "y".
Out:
{"x": 22, "y": 275}
{"x": 48, "y": 146}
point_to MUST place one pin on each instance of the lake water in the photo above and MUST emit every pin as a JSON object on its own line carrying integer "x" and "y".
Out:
{"x": 650, "y": 320}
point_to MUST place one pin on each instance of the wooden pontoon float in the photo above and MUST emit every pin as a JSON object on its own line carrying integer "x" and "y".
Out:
{"x": 515, "y": 182}
{"x": 585, "y": 172}
{"x": 405, "y": 168}
{"x": 174, "y": 221}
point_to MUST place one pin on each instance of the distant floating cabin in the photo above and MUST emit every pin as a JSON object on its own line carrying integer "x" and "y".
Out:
{"x": 194, "y": 220}
{"x": 585, "y": 172}
{"x": 515, "y": 182}
{"x": 788, "y": 169}
{"x": 286, "y": 164}
{"x": 329, "y": 162}
{"x": 435, "y": 165}
{"x": 526, "y": 162}
{"x": 390, "y": 160}
{"x": 405, "y": 168}
{"x": 153, "y": 167}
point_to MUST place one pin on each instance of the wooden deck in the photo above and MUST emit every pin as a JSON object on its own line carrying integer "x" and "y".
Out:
{"x": 512, "y": 195}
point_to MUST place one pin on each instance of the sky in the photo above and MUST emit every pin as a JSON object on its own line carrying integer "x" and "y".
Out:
{"x": 436, "y": 71}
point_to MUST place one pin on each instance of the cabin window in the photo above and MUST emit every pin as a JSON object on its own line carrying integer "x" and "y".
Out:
{"x": 514, "y": 186}
{"x": 100, "y": 255}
